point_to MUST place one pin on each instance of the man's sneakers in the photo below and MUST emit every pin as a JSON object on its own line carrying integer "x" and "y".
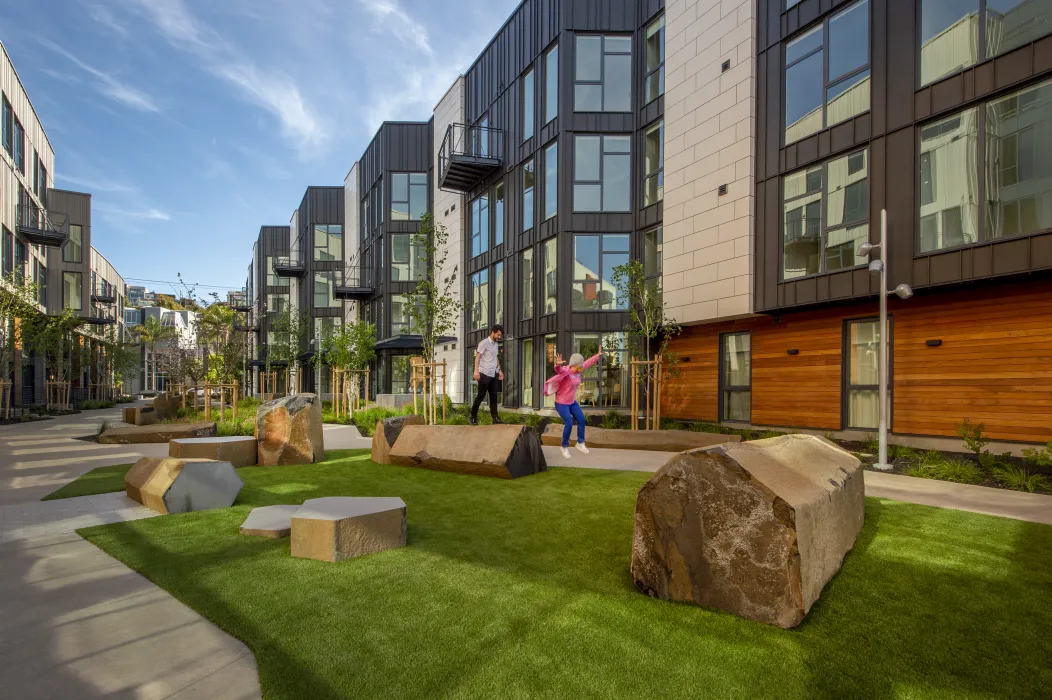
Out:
{"x": 498, "y": 421}
{"x": 581, "y": 448}
{"x": 474, "y": 421}
{"x": 566, "y": 453}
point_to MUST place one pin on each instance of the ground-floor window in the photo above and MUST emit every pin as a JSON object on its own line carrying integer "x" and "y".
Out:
{"x": 736, "y": 377}
{"x": 526, "y": 395}
{"x": 862, "y": 353}
{"x": 604, "y": 385}
{"x": 400, "y": 372}
{"x": 551, "y": 349}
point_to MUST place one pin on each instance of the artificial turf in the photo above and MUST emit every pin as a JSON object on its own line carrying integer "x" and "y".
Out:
{"x": 98, "y": 480}
{"x": 521, "y": 589}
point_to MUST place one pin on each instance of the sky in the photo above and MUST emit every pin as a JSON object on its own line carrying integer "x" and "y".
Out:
{"x": 194, "y": 122}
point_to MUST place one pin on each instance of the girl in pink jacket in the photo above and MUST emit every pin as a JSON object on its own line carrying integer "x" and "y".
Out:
{"x": 565, "y": 383}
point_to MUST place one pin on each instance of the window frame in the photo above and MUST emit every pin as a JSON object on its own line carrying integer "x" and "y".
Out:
{"x": 499, "y": 192}
{"x": 7, "y": 257}
{"x": 551, "y": 180}
{"x": 599, "y": 280}
{"x": 659, "y": 172}
{"x": 846, "y": 387}
{"x": 551, "y": 84}
{"x": 725, "y": 388}
{"x": 601, "y": 182}
{"x": 500, "y": 283}
{"x": 550, "y": 247}
{"x": 601, "y": 82}
{"x": 7, "y": 117}
{"x": 480, "y": 299}
{"x": 414, "y": 250}
{"x": 528, "y": 100}
{"x": 527, "y": 272}
{"x": 330, "y": 279}
{"x": 479, "y": 222}
{"x": 659, "y": 70}
{"x": 408, "y": 175}
{"x": 78, "y": 279}
{"x": 530, "y": 368}
{"x": 659, "y": 252}
{"x": 529, "y": 168}
{"x": 326, "y": 229}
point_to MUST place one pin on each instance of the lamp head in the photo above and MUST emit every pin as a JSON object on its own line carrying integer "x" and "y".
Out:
{"x": 865, "y": 249}
{"x": 875, "y": 266}
{"x": 903, "y": 291}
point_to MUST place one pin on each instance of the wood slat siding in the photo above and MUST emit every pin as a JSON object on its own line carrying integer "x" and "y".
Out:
{"x": 994, "y": 365}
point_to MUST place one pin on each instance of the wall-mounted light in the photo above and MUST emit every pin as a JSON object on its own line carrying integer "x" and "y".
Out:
{"x": 933, "y": 343}
{"x": 722, "y": 190}
{"x": 793, "y": 351}
{"x": 684, "y": 359}
{"x": 726, "y": 66}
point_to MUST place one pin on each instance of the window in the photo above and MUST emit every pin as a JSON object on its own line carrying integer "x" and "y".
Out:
{"x": 408, "y": 258}
{"x": 8, "y": 125}
{"x": 366, "y": 228}
{"x": 401, "y": 316}
{"x": 43, "y": 184}
{"x": 551, "y": 181}
{"x": 36, "y": 173}
{"x": 480, "y": 300}
{"x": 654, "y": 165}
{"x": 551, "y": 279}
{"x": 272, "y": 277}
{"x": 323, "y": 284}
{"x": 498, "y": 293}
{"x": 480, "y": 225}
{"x": 527, "y": 283}
{"x": 551, "y": 84}
{"x": 529, "y": 108}
{"x": 71, "y": 291}
{"x": 379, "y": 202}
{"x": 827, "y": 73}
{"x": 602, "y": 74}
{"x": 526, "y": 394}
{"x": 41, "y": 280}
{"x": 949, "y": 209}
{"x": 601, "y": 168}
{"x": 21, "y": 257}
{"x": 19, "y": 153}
{"x": 328, "y": 242}
{"x": 863, "y": 383}
{"x": 736, "y": 377}
{"x": 498, "y": 214}
{"x": 595, "y": 258}
{"x": 652, "y": 243}
{"x": 325, "y": 327}
{"x": 408, "y": 196}
{"x": 603, "y": 385}
{"x": 527, "y": 195}
{"x": 9, "y": 252}
{"x": 480, "y": 138}
{"x": 826, "y": 216}
{"x": 654, "y": 83}
{"x": 550, "y": 350}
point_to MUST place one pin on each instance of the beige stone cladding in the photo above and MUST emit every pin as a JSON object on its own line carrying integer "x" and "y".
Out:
{"x": 709, "y": 124}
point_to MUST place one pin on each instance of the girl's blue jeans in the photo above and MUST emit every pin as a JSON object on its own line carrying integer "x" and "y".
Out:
{"x": 569, "y": 413}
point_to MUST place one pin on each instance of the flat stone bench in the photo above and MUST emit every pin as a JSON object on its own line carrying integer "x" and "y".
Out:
{"x": 159, "y": 432}
{"x": 139, "y": 415}
{"x": 269, "y": 521}
{"x": 336, "y": 528}
{"x": 239, "y": 451}
{"x": 655, "y": 440}
{"x": 170, "y": 485}
{"x": 502, "y": 451}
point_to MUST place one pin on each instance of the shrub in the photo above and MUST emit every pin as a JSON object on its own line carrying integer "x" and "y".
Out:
{"x": 770, "y": 434}
{"x": 93, "y": 405}
{"x": 901, "y": 452}
{"x": 187, "y": 412}
{"x": 1020, "y": 478}
{"x": 959, "y": 471}
{"x": 457, "y": 419}
{"x": 747, "y": 434}
{"x": 976, "y": 440}
{"x": 235, "y": 428}
{"x": 714, "y": 428}
{"x": 1041, "y": 457}
{"x": 828, "y": 435}
{"x": 930, "y": 458}
{"x": 612, "y": 419}
{"x": 871, "y": 444}
{"x": 102, "y": 427}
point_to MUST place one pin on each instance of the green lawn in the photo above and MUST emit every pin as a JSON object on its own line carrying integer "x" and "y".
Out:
{"x": 520, "y": 589}
{"x": 99, "y": 480}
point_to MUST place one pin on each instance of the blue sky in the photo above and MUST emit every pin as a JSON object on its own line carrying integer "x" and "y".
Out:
{"x": 193, "y": 122}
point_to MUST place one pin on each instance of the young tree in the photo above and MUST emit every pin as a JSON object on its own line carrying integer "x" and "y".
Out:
{"x": 433, "y": 309}
{"x": 151, "y": 334}
{"x": 351, "y": 346}
{"x": 17, "y": 301}
{"x": 291, "y": 331}
{"x": 124, "y": 361}
{"x": 55, "y": 340}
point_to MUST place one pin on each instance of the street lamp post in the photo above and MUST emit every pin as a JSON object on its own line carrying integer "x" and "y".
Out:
{"x": 902, "y": 291}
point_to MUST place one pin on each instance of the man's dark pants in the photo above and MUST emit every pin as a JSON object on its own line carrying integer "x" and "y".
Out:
{"x": 487, "y": 384}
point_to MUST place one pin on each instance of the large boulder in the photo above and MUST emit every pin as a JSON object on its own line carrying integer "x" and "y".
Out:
{"x": 387, "y": 432}
{"x": 502, "y": 451}
{"x": 335, "y": 528}
{"x": 755, "y": 528}
{"x": 170, "y": 485}
{"x": 160, "y": 432}
{"x": 239, "y": 451}
{"x": 656, "y": 440}
{"x": 289, "y": 431}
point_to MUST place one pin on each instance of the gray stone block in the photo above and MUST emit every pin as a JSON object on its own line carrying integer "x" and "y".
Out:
{"x": 203, "y": 485}
{"x": 269, "y": 521}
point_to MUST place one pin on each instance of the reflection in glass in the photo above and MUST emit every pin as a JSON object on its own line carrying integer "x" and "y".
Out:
{"x": 528, "y": 108}
{"x": 527, "y": 283}
{"x": 617, "y": 164}
{"x": 802, "y": 230}
{"x": 480, "y": 300}
{"x": 526, "y": 394}
{"x": 1019, "y": 163}
{"x": 550, "y": 350}
{"x": 653, "y": 163}
{"x": 652, "y": 252}
{"x": 863, "y": 373}
{"x": 498, "y": 293}
{"x": 551, "y": 82}
{"x": 655, "y": 60}
{"x": 847, "y": 98}
{"x": 551, "y": 181}
{"x": 498, "y": 214}
{"x": 849, "y": 40}
{"x": 948, "y": 152}
{"x": 550, "y": 278}
{"x": 1012, "y": 23}
{"x": 588, "y": 50}
{"x": 737, "y": 377}
{"x": 949, "y": 37}
{"x": 527, "y": 195}
{"x": 803, "y": 98}
{"x": 617, "y": 82}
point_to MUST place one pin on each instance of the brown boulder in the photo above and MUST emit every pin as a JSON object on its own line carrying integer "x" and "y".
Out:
{"x": 289, "y": 431}
{"x": 502, "y": 451}
{"x": 656, "y": 440}
{"x": 336, "y": 528}
{"x": 755, "y": 529}
{"x": 159, "y": 432}
{"x": 387, "y": 432}
{"x": 171, "y": 485}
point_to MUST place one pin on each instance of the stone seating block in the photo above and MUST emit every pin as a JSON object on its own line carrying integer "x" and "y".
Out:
{"x": 171, "y": 485}
{"x": 755, "y": 529}
{"x": 159, "y": 432}
{"x": 387, "y": 432}
{"x": 502, "y": 451}
{"x": 139, "y": 415}
{"x": 289, "y": 431}
{"x": 656, "y": 440}
{"x": 239, "y": 451}
{"x": 269, "y": 521}
{"x": 336, "y": 528}
{"x": 166, "y": 405}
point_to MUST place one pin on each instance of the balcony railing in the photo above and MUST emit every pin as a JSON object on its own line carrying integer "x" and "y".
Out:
{"x": 101, "y": 315}
{"x": 469, "y": 154}
{"x": 356, "y": 282}
{"x": 41, "y": 226}
{"x": 287, "y": 266}
{"x": 104, "y": 293}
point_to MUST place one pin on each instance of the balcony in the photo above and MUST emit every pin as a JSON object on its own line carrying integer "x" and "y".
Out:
{"x": 40, "y": 226}
{"x": 355, "y": 283}
{"x": 104, "y": 293}
{"x": 288, "y": 267}
{"x": 469, "y": 155}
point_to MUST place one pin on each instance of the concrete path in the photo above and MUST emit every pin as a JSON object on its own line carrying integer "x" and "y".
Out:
{"x": 37, "y": 458}
{"x": 23, "y": 521}
{"x": 345, "y": 437}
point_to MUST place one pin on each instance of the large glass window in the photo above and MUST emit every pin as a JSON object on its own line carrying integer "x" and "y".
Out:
{"x": 527, "y": 195}
{"x": 408, "y": 196}
{"x": 8, "y": 252}
{"x": 498, "y": 293}
{"x": 529, "y": 108}
{"x": 480, "y": 300}
{"x": 21, "y": 257}
{"x": 41, "y": 281}
{"x": 408, "y": 258}
{"x": 595, "y": 258}
{"x": 401, "y": 316}
{"x": 19, "y": 153}
{"x": 601, "y": 173}
{"x": 652, "y": 244}
{"x": 949, "y": 187}
{"x": 323, "y": 286}
{"x": 736, "y": 377}
{"x": 551, "y": 84}
{"x": 551, "y": 181}
{"x": 8, "y": 125}
{"x": 72, "y": 291}
{"x": 602, "y": 73}
{"x": 826, "y": 216}
{"x": 550, "y": 351}
{"x": 527, "y": 283}
{"x": 72, "y": 249}
{"x": 605, "y": 384}
{"x": 551, "y": 277}
{"x": 526, "y": 393}
{"x": 827, "y": 73}
{"x": 498, "y": 213}
{"x": 328, "y": 242}
{"x": 863, "y": 385}
{"x": 654, "y": 83}
{"x": 654, "y": 165}
{"x": 480, "y": 225}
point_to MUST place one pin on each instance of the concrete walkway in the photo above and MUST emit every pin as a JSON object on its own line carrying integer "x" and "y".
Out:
{"x": 344, "y": 437}
{"x": 24, "y": 521}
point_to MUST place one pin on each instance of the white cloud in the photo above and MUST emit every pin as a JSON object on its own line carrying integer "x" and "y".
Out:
{"x": 390, "y": 15}
{"x": 106, "y": 84}
{"x": 96, "y": 185}
{"x": 148, "y": 214}
{"x": 102, "y": 15}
